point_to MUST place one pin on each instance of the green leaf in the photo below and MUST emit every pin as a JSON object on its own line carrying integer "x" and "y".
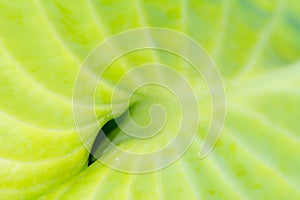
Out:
{"x": 255, "y": 46}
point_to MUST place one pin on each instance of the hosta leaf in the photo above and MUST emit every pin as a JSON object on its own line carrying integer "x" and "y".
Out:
{"x": 255, "y": 46}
